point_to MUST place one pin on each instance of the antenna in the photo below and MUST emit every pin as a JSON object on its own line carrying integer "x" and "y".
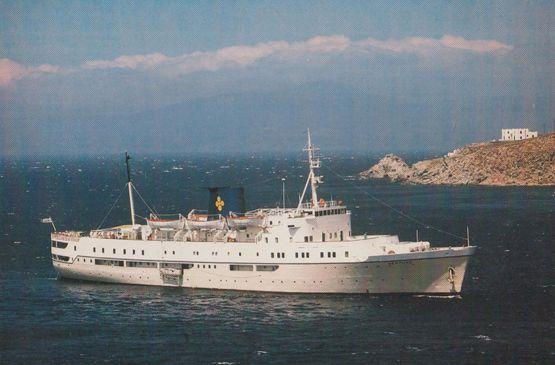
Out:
{"x": 283, "y": 191}
{"x": 130, "y": 188}
{"x": 467, "y": 236}
{"x": 314, "y": 163}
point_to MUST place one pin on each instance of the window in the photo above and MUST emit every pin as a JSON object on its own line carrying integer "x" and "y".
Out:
{"x": 321, "y": 254}
{"x": 108, "y": 262}
{"x": 173, "y": 252}
{"x": 278, "y": 255}
{"x": 143, "y": 264}
{"x": 307, "y": 254}
{"x": 239, "y": 253}
{"x": 334, "y": 254}
{"x": 266, "y": 267}
{"x": 306, "y": 238}
{"x": 311, "y": 239}
{"x": 94, "y": 249}
{"x": 240, "y": 267}
{"x": 74, "y": 248}
{"x": 124, "y": 251}
{"x": 114, "y": 250}
{"x": 266, "y": 239}
{"x": 323, "y": 237}
{"x": 143, "y": 252}
{"x": 296, "y": 255}
{"x": 334, "y": 234}
{"x": 276, "y": 240}
{"x": 302, "y": 255}
{"x": 346, "y": 253}
{"x": 329, "y": 254}
{"x": 133, "y": 252}
{"x": 272, "y": 255}
{"x": 283, "y": 255}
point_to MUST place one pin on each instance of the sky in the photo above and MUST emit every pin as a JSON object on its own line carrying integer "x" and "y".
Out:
{"x": 232, "y": 76}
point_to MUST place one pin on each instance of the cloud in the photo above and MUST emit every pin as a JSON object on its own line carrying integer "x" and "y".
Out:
{"x": 282, "y": 51}
{"x": 239, "y": 56}
{"x": 421, "y": 45}
{"x": 11, "y": 71}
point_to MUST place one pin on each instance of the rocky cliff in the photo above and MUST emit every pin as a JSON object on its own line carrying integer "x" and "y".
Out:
{"x": 527, "y": 162}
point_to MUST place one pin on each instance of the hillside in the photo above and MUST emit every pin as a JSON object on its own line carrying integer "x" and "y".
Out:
{"x": 527, "y": 162}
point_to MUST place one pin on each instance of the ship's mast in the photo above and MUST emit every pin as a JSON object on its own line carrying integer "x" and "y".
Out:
{"x": 130, "y": 189}
{"x": 314, "y": 163}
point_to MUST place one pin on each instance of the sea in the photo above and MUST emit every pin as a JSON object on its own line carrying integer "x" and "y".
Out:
{"x": 505, "y": 313}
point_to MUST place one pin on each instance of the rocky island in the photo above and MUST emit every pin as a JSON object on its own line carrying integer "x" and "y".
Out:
{"x": 526, "y": 162}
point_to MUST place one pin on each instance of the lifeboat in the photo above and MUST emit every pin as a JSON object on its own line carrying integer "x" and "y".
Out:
{"x": 235, "y": 220}
{"x": 156, "y": 222}
{"x": 198, "y": 219}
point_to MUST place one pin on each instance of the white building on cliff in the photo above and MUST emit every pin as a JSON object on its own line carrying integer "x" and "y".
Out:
{"x": 517, "y": 134}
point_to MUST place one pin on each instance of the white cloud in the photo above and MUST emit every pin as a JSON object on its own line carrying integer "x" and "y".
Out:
{"x": 238, "y": 56}
{"x": 11, "y": 71}
{"x": 241, "y": 56}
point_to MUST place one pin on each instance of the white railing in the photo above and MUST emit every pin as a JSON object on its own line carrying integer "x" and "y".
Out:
{"x": 66, "y": 236}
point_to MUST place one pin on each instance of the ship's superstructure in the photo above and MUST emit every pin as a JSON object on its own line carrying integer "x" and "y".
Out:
{"x": 306, "y": 249}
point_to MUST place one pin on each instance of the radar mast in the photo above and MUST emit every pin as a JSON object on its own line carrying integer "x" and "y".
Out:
{"x": 130, "y": 189}
{"x": 313, "y": 163}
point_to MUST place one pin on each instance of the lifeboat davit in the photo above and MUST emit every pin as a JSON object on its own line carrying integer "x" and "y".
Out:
{"x": 198, "y": 219}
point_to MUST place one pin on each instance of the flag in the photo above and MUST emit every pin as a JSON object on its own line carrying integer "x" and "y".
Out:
{"x": 46, "y": 220}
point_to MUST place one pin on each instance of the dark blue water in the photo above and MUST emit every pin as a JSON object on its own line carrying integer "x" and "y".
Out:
{"x": 506, "y": 312}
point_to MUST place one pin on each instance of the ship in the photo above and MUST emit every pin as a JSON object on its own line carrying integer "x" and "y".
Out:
{"x": 308, "y": 248}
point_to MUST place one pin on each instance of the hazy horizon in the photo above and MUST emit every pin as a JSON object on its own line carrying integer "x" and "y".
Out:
{"x": 79, "y": 78}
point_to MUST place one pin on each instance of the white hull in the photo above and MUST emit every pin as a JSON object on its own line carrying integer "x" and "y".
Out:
{"x": 418, "y": 272}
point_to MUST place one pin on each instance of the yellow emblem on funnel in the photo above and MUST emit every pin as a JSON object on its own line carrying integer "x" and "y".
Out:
{"x": 219, "y": 204}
